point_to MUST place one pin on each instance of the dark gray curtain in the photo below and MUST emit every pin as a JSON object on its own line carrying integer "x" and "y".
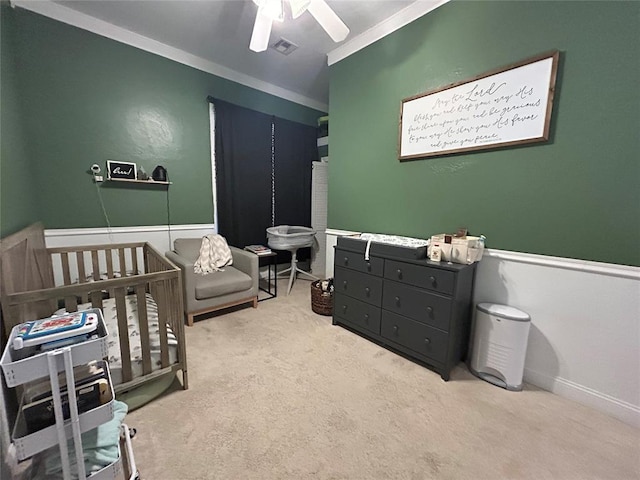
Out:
{"x": 295, "y": 149}
{"x": 250, "y": 146}
{"x": 296, "y": 146}
{"x": 243, "y": 173}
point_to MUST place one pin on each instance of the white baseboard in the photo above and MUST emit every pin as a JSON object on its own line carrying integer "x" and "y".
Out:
{"x": 583, "y": 343}
{"x": 629, "y": 414}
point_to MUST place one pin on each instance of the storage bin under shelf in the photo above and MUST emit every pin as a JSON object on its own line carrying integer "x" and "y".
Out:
{"x": 29, "y": 444}
{"x": 110, "y": 472}
{"x": 113, "y": 471}
{"x": 18, "y": 370}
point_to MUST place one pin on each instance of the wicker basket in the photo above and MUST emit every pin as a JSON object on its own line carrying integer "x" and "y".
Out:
{"x": 321, "y": 302}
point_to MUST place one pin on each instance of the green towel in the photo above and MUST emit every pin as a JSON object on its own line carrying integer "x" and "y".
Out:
{"x": 100, "y": 447}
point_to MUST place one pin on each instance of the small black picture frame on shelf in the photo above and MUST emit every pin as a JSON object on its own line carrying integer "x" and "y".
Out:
{"x": 121, "y": 170}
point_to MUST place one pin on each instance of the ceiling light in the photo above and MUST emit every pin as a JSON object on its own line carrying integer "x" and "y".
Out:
{"x": 269, "y": 10}
{"x": 298, "y": 7}
{"x": 273, "y": 9}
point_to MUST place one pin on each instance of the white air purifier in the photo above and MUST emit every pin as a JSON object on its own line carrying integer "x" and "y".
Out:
{"x": 500, "y": 345}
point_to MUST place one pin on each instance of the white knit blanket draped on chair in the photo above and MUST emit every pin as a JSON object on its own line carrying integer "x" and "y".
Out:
{"x": 214, "y": 254}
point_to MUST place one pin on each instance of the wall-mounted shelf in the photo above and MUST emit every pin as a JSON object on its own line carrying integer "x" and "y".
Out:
{"x": 145, "y": 182}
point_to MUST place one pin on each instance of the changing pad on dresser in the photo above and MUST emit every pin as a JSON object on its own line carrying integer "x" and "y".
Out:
{"x": 386, "y": 245}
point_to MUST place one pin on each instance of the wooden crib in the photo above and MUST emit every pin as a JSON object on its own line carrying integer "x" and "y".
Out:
{"x": 38, "y": 281}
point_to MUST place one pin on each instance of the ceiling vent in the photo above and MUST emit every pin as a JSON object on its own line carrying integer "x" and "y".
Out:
{"x": 283, "y": 46}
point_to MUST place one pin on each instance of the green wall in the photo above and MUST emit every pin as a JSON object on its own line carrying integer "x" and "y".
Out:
{"x": 576, "y": 196}
{"x": 17, "y": 196}
{"x": 86, "y": 99}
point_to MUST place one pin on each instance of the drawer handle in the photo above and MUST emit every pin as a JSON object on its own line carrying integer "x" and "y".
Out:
{"x": 427, "y": 341}
{"x": 344, "y": 309}
{"x": 433, "y": 280}
{"x": 399, "y": 272}
{"x": 346, "y": 261}
{"x": 367, "y": 290}
{"x": 430, "y": 311}
{"x": 397, "y": 301}
{"x": 368, "y": 266}
{"x": 395, "y": 329}
{"x": 366, "y": 318}
{"x": 344, "y": 284}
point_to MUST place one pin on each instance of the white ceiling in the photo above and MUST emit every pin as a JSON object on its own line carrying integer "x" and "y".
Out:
{"x": 214, "y": 35}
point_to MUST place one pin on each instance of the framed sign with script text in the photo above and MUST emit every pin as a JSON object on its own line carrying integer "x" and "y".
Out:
{"x": 121, "y": 170}
{"x": 508, "y": 106}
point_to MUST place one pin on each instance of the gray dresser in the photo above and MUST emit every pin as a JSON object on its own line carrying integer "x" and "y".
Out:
{"x": 416, "y": 307}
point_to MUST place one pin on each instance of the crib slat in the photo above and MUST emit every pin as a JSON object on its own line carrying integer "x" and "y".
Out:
{"x": 96, "y": 265}
{"x": 71, "y": 303}
{"x": 161, "y": 300}
{"x": 134, "y": 261}
{"x": 123, "y": 334}
{"x": 96, "y": 300}
{"x": 145, "y": 260}
{"x": 123, "y": 262}
{"x": 66, "y": 274}
{"x": 82, "y": 276}
{"x": 109, "y": 258}
{"x": 143, "y": 321}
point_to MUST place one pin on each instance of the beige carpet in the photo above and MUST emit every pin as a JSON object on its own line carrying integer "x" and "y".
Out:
{"x": 277, "y": 392}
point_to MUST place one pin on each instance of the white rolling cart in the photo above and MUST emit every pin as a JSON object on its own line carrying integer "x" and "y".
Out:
{"x": 20, "y": 367}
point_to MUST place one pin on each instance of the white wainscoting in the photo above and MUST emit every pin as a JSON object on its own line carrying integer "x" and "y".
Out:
{"x": 584, "y": 342}
{"x": 160, "y": 236}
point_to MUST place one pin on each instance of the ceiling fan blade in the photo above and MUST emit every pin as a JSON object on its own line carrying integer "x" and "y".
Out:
{"x": 261, "y": 32}
{"x": 328, "y": 20}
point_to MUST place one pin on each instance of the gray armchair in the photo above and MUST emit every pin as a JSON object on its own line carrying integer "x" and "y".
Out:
{"x": 237, "y": 284}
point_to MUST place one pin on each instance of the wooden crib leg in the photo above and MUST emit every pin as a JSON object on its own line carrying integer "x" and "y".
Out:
{"x": 189, "y": 320}
{"x": 185, "y": 380}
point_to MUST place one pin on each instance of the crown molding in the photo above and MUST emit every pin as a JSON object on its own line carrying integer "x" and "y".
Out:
{"x": 77, "y": 19}
{"x": 381, "y": 30}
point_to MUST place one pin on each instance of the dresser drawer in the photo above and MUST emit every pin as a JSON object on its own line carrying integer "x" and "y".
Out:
{"x": 359, "y": 313}
{"x": 356, "y": 261}
{"x": 358, "y": 285}
{"x": 420, "y": 338}
{"x": 421, "y": 305}
{"x": 421, "y": 276}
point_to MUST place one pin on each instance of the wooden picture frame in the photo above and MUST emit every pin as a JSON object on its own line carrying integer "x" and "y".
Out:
{"x": 504, "y": 107}
{"x": 121, "y": 170}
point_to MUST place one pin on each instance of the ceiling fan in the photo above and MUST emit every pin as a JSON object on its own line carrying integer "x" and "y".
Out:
{"x": 270, "y": 10}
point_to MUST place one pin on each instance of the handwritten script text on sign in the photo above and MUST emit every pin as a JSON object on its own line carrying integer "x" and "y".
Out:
{"x": 506, "y": 107}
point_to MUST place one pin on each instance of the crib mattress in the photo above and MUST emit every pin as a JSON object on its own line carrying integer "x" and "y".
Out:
{"x": 135, "y": 346}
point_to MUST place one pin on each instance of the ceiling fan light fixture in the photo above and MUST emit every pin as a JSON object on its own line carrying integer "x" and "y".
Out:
{"x": 261, "y": 32}
{"x": 298, "y": 7}
{"x": 274, "y": 9}
{"x": 270, "y": 10}
{"x": 328, "y": 20}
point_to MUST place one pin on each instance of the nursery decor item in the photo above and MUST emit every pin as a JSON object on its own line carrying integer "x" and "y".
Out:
{"x": 504, "y": 107}
{"x": 159, "y": 174}
{"x": 322, "y": 297}
{"x": 121, "y": 170}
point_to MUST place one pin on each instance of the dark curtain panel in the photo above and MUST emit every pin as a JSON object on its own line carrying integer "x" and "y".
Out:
{"x": 243, "y": 173}
{"x": 295, "y": 148}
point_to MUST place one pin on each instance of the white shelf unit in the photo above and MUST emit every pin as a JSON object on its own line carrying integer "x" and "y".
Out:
{"x": 319, "y": 199}
{"x": 18, "y": 371}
